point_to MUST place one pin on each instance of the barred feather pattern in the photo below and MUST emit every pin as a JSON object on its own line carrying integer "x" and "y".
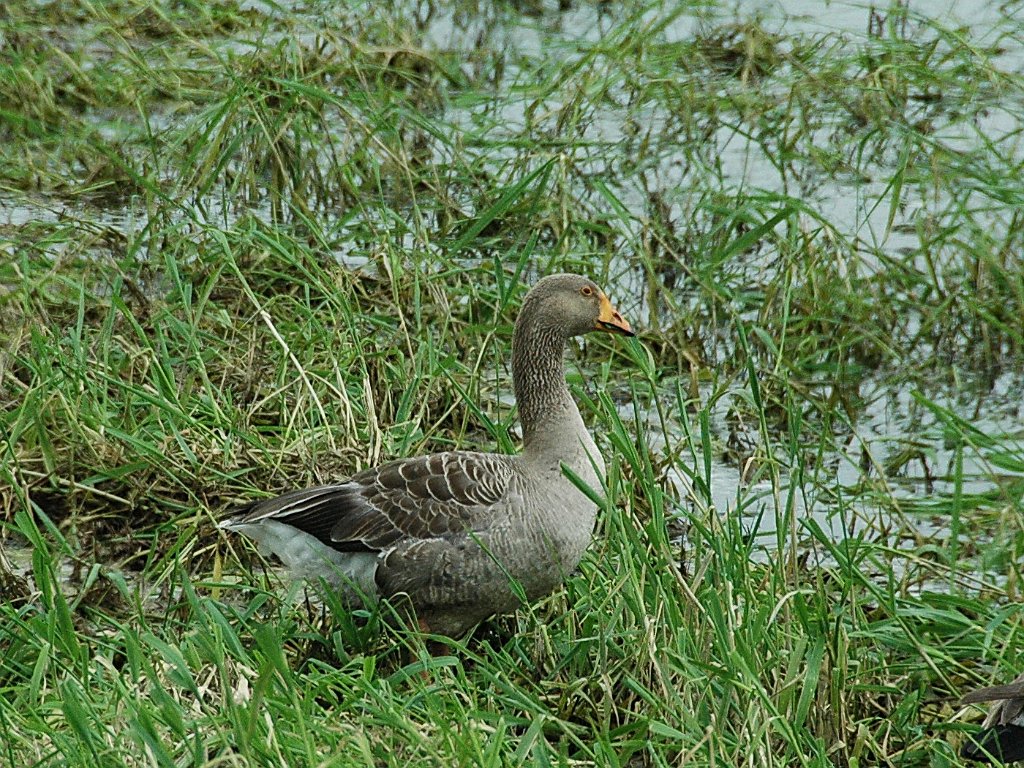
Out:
{"x": 420, "y": 498}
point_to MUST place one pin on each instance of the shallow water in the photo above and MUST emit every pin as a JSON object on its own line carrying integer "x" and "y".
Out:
{"x": 900, "y": 476}
{"x": 859, "y": 205}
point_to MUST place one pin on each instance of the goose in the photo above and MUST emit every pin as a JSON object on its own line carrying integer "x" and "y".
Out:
{"x": 462, "y": 535}
{"x": 1002, "y": 734}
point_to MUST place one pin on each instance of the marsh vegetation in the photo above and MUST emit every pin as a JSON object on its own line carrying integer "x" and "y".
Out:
{"x": 246, "y": 246}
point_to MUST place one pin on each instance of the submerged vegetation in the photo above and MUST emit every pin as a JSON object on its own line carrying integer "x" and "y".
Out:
{"x": 247, "y": 246}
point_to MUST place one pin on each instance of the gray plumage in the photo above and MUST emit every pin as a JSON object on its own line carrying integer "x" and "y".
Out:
{"x": 456, "y": 531}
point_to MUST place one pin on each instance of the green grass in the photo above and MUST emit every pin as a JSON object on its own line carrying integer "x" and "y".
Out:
{"x": 245, "y": 248}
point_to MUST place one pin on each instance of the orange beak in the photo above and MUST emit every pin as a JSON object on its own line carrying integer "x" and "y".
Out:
{"x": 610, "y": 320}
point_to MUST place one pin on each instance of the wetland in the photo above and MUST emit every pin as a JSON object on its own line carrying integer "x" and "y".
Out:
{"x": 250, "y": 246}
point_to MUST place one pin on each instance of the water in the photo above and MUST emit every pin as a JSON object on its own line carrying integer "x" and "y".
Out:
{"x": 861, "y": 206}
{"x": 896, "y": 475}
{"x": 634, "y": 152}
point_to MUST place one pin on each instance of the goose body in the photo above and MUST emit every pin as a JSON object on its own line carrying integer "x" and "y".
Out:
{"x": 1002, "y": 734}
{"x": 462, "y": 534}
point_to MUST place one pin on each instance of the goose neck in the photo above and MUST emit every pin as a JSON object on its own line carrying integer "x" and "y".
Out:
{"x": 538, "y": 377}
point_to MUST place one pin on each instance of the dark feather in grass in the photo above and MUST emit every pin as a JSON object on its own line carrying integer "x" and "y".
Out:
{"x": 1003, "y": 743}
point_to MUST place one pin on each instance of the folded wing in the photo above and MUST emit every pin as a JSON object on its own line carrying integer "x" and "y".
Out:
{"x": 427, "y": 497}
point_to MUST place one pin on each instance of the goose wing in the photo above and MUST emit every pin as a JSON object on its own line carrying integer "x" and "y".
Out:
{"x": 421, "y": 498}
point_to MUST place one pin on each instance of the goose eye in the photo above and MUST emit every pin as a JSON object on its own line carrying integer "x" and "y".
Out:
{"x": 586, "y": 290}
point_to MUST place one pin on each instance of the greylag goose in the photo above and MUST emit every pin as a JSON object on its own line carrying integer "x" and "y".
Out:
{"x": 1002, "y": 734}
{"x": 462, "y": 534}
